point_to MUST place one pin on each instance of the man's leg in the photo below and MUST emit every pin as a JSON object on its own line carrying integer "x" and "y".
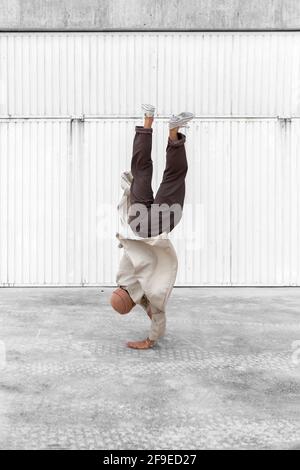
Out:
{"x": 141, "y": 165}
{"x": 172, "y": 188}
{"x": 141, "y": 193}
{"x": 171, "y": 192}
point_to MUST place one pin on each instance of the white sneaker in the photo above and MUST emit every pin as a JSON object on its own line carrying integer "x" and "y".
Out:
{"x": 148, "y": 109}
{"x": 180, "y": 120}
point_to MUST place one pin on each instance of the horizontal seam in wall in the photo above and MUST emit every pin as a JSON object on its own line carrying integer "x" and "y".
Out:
{"x": 165, "y": 30}
{"x": 118, "y": 118}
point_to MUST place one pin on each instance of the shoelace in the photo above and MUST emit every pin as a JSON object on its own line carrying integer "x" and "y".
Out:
{"x": 174, "y": 118}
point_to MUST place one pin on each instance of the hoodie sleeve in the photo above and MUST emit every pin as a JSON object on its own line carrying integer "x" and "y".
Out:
{"x": 158, "y": 325}
{"x": 158, "y": 320}
{"x": 126, "y": 278}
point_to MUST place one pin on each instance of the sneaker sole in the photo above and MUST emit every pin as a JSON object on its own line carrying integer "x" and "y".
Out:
{"x": 148, "y": 109}
{"x": 181, "y": 123}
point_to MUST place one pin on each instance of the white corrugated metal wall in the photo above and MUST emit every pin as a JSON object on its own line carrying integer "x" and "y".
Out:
{"x": 59, "y": 170}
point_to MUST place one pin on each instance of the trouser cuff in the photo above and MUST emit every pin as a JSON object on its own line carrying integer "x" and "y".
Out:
{"x": 177, "y": 143}
{"x": 143, "y": 130}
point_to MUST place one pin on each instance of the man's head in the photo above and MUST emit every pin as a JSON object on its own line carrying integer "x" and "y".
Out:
{"x": 121, "y": 301}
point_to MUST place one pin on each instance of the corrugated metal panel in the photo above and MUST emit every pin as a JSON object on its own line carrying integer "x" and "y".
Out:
{"x": 265, "y": 214}
{"x": 59, "y": 179}
{"x": 58, "y": 199}
{"x": 59, "y": 191}
{"x": 213, "y": 74}
{"x": 203, "y": 237}
{"x": 33, "y": 202}
{"x": 60, "y": 186}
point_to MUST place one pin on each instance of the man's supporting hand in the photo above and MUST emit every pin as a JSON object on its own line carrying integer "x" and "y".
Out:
{"x": 145, "y": 344}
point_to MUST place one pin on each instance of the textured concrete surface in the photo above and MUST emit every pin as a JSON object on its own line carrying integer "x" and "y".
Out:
{"x": 227, "y": 375}
{"x": 148, "y": 14}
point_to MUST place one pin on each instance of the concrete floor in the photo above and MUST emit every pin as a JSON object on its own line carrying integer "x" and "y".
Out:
{"x": 227, "y": 375}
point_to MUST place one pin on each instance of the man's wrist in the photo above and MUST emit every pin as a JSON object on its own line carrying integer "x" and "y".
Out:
{"x": 150, "y": 341}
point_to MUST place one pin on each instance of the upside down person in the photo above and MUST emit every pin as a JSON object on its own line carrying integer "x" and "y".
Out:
{"x": 148, "y": 267}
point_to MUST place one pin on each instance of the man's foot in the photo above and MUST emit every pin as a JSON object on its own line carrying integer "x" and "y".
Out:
{"x": 149, "y": 111}
{"x": 148, "y": 121}
{"x": 145, "y": 344}
{"x": 180, "y": 120}
{"x": 173, "y": 133}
